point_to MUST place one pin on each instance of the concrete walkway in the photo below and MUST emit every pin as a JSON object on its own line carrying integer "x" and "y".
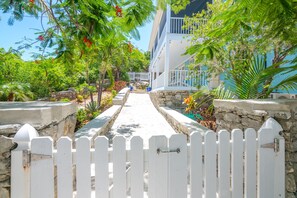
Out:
{"x": 139, "y": 117}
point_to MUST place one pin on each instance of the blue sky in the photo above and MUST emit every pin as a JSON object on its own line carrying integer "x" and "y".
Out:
{"x": 9, "y": 35}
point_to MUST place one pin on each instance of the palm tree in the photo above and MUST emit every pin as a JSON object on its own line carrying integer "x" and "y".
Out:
{"x": 16, "y": 91}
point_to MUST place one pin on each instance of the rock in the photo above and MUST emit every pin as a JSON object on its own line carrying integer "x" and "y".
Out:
{"x": 286, "y": 124}
{"x": 4, "y": 177}
{"x": 290, "y": 183}
{"x": 283, "y": 115}
{"x": 70, "y": 94}
{"x": 249, "y": 123}
{"x": 230, "y": 117}
{"x": 5, "y": 144}
{"x": 9, "y": 129}
{"x": 290, "y": 195}
{"x": 4, "y": 193}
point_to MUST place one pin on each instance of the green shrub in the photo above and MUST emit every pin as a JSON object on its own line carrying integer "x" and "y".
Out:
{"x": 125, "y": 77}
{"x": 114, "y": 93}
{"x": 81, "y": 115}
{"x": 79, "y": 98}
{"x": 64, "y": 100}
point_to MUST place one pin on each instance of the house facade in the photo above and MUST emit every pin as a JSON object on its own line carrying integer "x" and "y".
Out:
{"x": 169, "y": 68}
{"x": 168, "y": 42}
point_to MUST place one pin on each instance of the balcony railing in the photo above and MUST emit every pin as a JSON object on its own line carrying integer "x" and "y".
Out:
{"x": 186, "y": 78}
{"x": 179, "y": 25}
{"x": 181, "y": 78}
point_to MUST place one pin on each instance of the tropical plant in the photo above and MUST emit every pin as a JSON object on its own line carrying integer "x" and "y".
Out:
{"x": 252, "y": 86}
{"x": 92, "y": 107}
{"x": 16, "y": 91}
{"x": 230, "y": 36}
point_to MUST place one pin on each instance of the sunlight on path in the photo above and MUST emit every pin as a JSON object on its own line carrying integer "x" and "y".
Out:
{"x": 139, "y": 117}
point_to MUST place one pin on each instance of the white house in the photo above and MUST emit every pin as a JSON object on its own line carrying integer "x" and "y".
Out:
{"x": 168, "y": 42}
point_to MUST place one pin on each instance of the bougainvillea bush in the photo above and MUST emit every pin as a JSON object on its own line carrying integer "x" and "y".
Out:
{"x": 119, "y": 85}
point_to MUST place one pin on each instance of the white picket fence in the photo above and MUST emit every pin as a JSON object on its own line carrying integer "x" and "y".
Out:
{"x": 139, "y": 76}
{"x": 237, "y": 164}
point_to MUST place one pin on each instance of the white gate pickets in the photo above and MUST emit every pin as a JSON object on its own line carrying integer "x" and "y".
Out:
{"x": 237, "y": 164}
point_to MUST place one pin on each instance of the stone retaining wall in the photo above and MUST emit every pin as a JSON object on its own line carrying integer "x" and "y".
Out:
{"x": 169, "y": 98}
{"x": 244, "y": 114}
{"x": 49, "y": 119}
{"x": 102, "y": 123}
{"x": 181, "y": 123}
{"x": 168, "y": 103}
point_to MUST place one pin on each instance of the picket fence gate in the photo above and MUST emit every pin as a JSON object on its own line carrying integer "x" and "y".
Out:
{"x": 239, "y": 164}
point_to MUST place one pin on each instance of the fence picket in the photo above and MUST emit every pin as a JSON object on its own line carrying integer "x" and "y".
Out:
{"x": 265, "y": 167}
{"x": 83, "y": 168}
{"x": 250, "y": 163}
{"x": 64, "y": 168}
{"x": 177, "y": 166}
{"x": 196, "y": 174}
{"x": 210, "y": 165}
{"x": 157, "y": 167}
{"x": 42, "y": 168}
{"x": 119, "y": 167}
{"x": 279, "y": 170}
{"x": 237, "y": 163}
{"x": 224, "y": 164}
{"x": 101, "y": 167}
{"x": 137, "y": 166}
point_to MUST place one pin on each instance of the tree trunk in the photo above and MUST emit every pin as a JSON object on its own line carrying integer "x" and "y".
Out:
{"x": 100, "y": 88}
{"x": 10, "y": 97}
{"x": 117, "y": 75}
{"x": 91, "y": 95}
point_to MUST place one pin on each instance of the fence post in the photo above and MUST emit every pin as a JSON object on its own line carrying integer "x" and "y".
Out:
{"x": 279, "y": 158}
{"x": 20, "y": 170}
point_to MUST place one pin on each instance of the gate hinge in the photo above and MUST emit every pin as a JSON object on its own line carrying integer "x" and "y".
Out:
{"x": 274, "y": 145}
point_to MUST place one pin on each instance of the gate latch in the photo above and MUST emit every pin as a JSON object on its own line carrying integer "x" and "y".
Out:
{"x": 274, "y": 145}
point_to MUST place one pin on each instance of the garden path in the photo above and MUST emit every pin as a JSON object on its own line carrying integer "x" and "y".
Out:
{"x": 139, "y": 117}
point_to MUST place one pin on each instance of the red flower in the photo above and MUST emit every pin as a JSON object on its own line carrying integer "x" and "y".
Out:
{"x": 40, "y": 37}
{"x": 87, "y": 42}
{"x": 31, "y": 3}
{"x": 119, "y": 11}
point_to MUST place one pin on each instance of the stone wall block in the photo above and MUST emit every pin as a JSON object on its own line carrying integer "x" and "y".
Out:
{"x": 282, "y": 115}
{"x": 231, "y": 117}
{"x": 290, "y": 195}
{"x": 249, "y": 123}
{"x": 290, "y": 183}
{"x": 256, "y": 117}
{"x": 289, "y": 168}
{"x": 9, "y": 129}
{"x": 286, "y": 124}
{"x": 4, "y": 192}
{"x": 293, "y": 146}
{"x": 5, "y": 144}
